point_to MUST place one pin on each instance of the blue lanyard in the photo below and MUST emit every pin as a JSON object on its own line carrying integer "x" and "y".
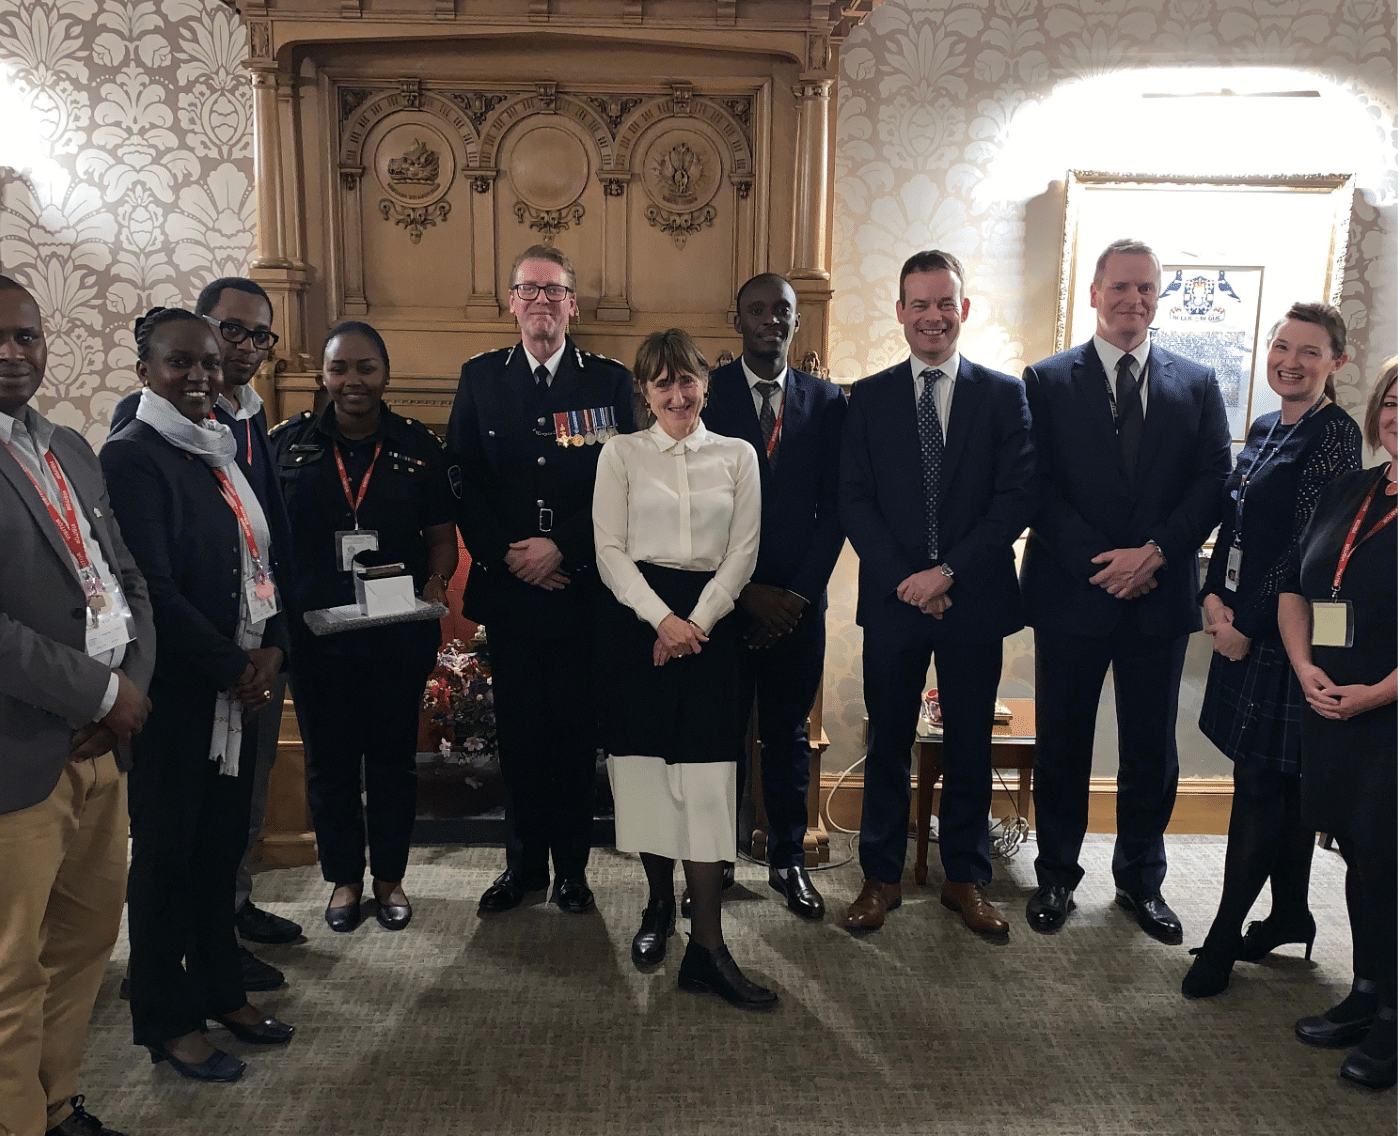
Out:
{"x": 1261, "y": 461}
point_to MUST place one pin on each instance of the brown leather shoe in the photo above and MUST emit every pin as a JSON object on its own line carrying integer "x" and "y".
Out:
{"x": 867, "y": 913}
{"x": 969, "y": 902}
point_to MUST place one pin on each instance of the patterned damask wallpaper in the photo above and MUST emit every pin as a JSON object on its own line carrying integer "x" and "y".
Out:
{"x": 143, "y": 109}
{"x": 143, "y": 115}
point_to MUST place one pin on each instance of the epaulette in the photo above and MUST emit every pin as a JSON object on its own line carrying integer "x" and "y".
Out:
{"x": 492, "y": 351}
{"x": 422, "y": 428}
{"x": 302, "y": 417}
{"x": 604, "y": 359}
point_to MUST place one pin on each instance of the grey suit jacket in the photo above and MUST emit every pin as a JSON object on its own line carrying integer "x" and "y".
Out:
{"x": 49, "y": 685}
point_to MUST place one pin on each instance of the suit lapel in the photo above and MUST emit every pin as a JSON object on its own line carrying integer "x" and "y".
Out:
{"x": 1091, "y": 389}
{"x": 1161, "y": 384}
{"x": 797, "y": 405}
{"x": 739, "y": 395}
{"x": 13, "y": 472}
{"x": 967, "y": 397}
{"x": 566, "y": 379}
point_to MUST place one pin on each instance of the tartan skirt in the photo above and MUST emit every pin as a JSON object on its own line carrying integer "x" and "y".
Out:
{"x": 1252, "y": 709}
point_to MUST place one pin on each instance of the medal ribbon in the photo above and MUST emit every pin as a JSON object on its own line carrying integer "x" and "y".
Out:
{"x": 67, "y": 523}
{"x": 1351, "y": 543}
{"x": 230, "y": 495}
{"x": 358, "y": 499}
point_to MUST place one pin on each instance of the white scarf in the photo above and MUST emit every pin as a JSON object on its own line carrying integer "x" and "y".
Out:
{"x": 215, "y": 444}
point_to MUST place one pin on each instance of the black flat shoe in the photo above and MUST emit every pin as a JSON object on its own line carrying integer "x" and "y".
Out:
{"x": 1049, "y": 907}
{"x": 1324, "y": 1033}
{"x": 218, "y": 1066}
{"x": 1264, "y": 936}
{"x": 344, "y": 919}
{"x": 573, "y": 895}
{"x": 658, "y": 925}
{"x": 259, "y": 926}
{"x": 796, "y": 887}
{"x": 1369, "y": 1072}
{"x": 1209, "y": 974}
{"x": 716, "y": 972}
{"x": 1153, "y": 915}
{"x": 726, "y": 881}
{"x": 269, "y": 1031}
{"x": 507, "y": 892}
{"x": 393, "y": 916}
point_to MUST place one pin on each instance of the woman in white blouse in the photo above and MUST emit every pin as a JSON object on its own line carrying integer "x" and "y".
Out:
{"x": 676, "y": 512}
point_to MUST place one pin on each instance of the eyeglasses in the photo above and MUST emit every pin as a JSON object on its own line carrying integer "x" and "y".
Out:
{"x": 233, "y": 332}
{"x": 553, "y": 292}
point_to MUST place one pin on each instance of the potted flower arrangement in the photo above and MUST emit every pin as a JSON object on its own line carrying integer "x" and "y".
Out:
{"x": 459, "y": 711}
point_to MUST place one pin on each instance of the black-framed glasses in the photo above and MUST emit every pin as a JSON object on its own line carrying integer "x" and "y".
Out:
{"x": 234, "y": 332}
{"x": 552, "y": 292}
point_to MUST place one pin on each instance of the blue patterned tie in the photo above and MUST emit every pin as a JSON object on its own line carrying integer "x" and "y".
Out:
{"x": 931, "y": 454}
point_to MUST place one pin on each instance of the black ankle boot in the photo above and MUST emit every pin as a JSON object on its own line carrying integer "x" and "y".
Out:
{"x": 658, "y": 924}
{"x": 1264, "y": 936}
{"x": 1344, "y": 1024}
{"x": 1210, "y": 973}
{"x": 716, "y": 972}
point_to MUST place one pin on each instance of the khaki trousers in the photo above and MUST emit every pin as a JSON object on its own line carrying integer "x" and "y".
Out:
{"x": 60, "y": 910}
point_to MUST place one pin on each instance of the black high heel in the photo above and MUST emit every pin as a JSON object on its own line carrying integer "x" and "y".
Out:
{"x": 1210, "y": 973}
{"x": 1264, "y": 936}
{"x": 218, "y": 1066}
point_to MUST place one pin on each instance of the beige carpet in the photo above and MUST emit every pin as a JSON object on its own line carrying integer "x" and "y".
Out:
{"x": 536, "y": 1022}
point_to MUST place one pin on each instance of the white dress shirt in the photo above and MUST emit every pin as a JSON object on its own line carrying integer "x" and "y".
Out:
{"x": 942, "y": 389}
{"x": 693, "y": 504}
{"x": 1109, "y": 356}
{"x": 29, "y": 439}
{"x": 778, "y": 395}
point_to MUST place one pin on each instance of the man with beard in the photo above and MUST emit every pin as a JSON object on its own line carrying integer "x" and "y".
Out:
{"x": 793, "y": 420}
{"x": 242, "y": 314}
{"x": 526, "y": 429}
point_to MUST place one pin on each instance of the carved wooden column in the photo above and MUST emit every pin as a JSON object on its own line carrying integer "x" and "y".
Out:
{"x": 613, "y": 306}
{"x": 267, "y": 167}
{"x": 813, "y": 179}
{"x": 482, "y": 304}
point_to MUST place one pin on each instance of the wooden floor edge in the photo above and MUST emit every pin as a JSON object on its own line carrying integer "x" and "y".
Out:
{"x": 1202, "y": 803}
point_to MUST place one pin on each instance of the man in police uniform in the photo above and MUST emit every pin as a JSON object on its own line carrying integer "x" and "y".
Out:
{"x": 526, "y": 429}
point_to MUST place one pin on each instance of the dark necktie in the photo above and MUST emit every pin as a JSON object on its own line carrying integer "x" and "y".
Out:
{"x": 1129, "y": 415}
{"x": 931, "y": 454}
{"x": 542, "y": 380}
{"x": 768, "y": 419}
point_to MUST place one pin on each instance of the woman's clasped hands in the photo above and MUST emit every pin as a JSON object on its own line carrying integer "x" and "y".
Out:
{"x": 676, "y": 637}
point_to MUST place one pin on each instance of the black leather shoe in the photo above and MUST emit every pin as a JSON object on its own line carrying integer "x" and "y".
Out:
{"x": 1048, "y": 908}
{"x": 1325, "y": 1033}
{"x": 218, "y": 1066}
{"x": 259, "y": 926}
{"x": 1263, "y": 936}
{"x": 80, "y": 1122}
{"x": 259, "y": 975}
{"x": 1153, "y": 915}
{"x": 802, "y": 898}
{"x": 1209, "y": 974}
{"x": 573, "y": 895}
{"x": 393, "y": 916}
{"x": 508, "y": 892}
{"x": 269, "y": 1031}
{"x": 716, "y": 972}
{"x": 1369, "y": 1072}
{"x": 726, "y": 881}
{"x": 343, "y": 919}
{"x": 658, "y": 925}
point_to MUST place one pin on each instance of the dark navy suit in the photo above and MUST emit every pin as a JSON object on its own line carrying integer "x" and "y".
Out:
{"x": 1089, "y": 504}
{"x": 985, "y": 501}
{"x": 798, "y": 545}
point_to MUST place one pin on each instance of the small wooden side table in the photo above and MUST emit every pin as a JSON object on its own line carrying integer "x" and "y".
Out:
{"x": 1013, "y": 747}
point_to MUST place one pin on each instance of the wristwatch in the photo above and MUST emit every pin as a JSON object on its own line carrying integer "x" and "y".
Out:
{"x": 946, "y": 570}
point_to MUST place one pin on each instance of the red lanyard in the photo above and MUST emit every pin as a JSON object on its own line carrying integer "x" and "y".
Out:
{"x": 777, "y": 429}
{"x": 231, "y": 496}
{"x": 358, "y": 499}
{"x": 1351, "y": 543}
{"x": 67, "y": 524}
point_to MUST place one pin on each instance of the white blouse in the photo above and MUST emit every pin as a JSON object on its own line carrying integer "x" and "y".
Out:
{"x": 693, "y": 504}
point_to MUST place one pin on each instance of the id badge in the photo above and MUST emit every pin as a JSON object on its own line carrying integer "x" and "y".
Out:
{"x": 1331, "y": 623}
{"x": 1233, "y": 559}
{"x": 261, "y": 593}
{"x": 349, "y": 543}
{"x": 108, "y": 618}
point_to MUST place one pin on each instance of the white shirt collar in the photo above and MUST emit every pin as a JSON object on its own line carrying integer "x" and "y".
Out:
{"x": 551, "y": 364}
{"x": 781, "y": 379}
{"x": 39, "y": 428}
{"x": 249, "y": 403}
{"x": 667, "y": 444}
{"x": 1109, "y": 355}
{"x": 949, "y": 366}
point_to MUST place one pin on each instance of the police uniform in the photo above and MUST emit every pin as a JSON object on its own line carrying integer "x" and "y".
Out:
{"x": 358, "y": 693}
{"x": 527, "y": 455}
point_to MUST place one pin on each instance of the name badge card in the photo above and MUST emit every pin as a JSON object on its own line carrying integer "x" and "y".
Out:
{"x": 1232, "y": 567}
{"x": 1332, "y": 623}
{"x": 349, "y": 543}
{"x": 261, "y": 593}
{"x": 108, "y": 617}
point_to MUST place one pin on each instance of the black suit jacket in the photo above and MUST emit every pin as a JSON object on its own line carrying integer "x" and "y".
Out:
{"x": 1088, "y": 504}
{"x": 187, "y": 543}
{"x": 501, "y": 436}
{"x": 985, "y": 500}
{"x": 801, "y": 535}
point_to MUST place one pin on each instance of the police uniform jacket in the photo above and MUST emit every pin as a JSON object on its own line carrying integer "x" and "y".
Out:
{"x": 520, "y": 479}
{"x": 407, "y": 493}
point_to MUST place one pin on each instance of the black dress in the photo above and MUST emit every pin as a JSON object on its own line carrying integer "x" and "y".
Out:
{"x": 1252, "y": 707}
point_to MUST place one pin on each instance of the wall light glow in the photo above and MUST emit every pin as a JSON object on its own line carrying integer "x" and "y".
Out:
{"x": 23, "y": 147}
